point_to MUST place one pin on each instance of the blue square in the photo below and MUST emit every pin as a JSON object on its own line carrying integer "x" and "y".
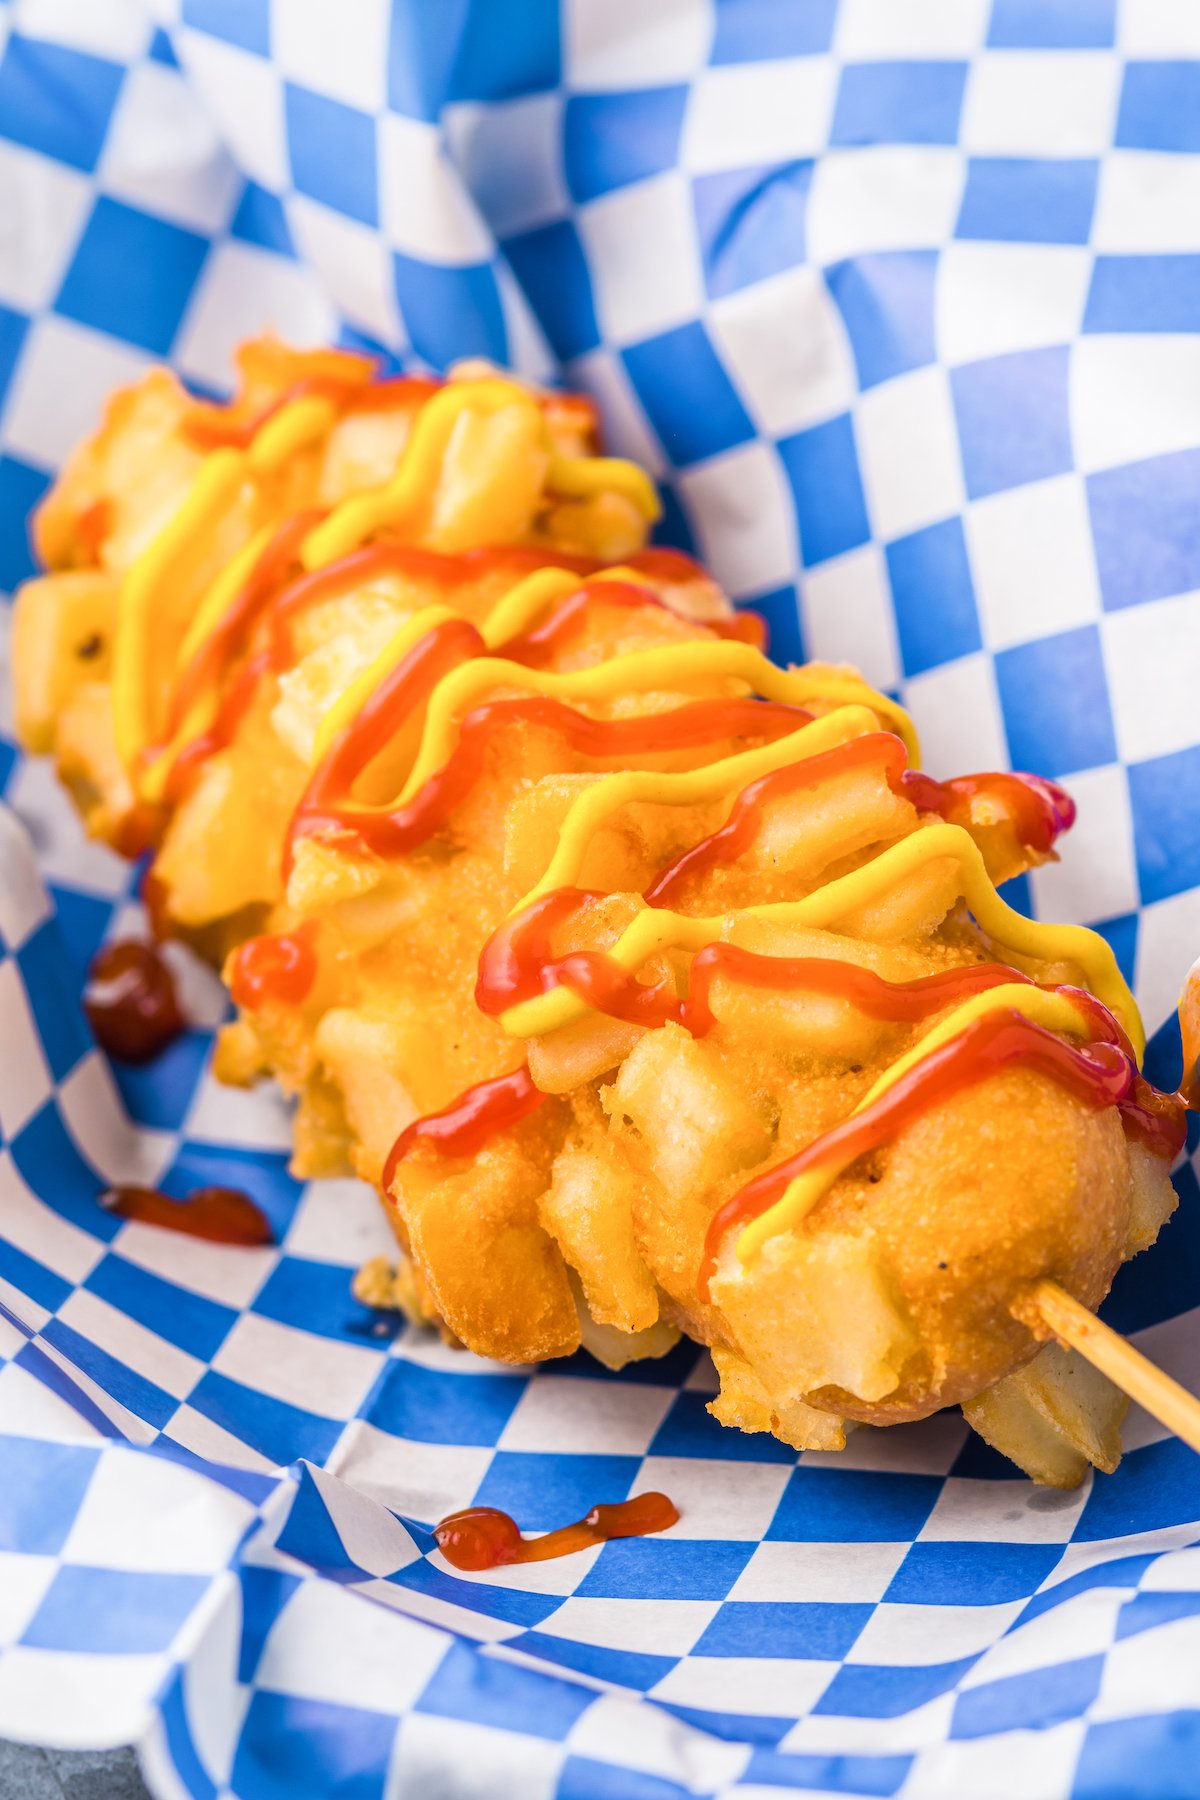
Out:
{"x": 820, "y": 1630}
{"x": 112, "y": 1612}
{"x": 432, "y": 1406}
{"x": 466, "y": 1685}
{"x": 317, "y": 1297}
{"x": 332, "y": 151}
{"x": 874, "y": 1691}
{"x": 887, "y": 299}
{"x": 822, "y": 469}
{"x": 1121, "y": 1756}
{"x": 42, "y": 1491}
{"x": 785, "y": 632}
{"x": 263, "y": 1174}
{"x": 143, "y": 1397}
{"x": 689, "y": 1429}
{"x": 1013, "y": 424}
{"x": 1054, "y": 697}
{"x": 1155, "y": 1486}
{"x": 762, "y": 30}
{"x": 637, "y": 1669}
{"x": 246, "y": 23}
{"x": 750, "y": 223}
{"x": 585, "y": 1778}
{"x": 132, "y": 276}
{"x": 53, "y": 999}
{"x": 188, "y": 1320}
{"x": 1117, "y": 1574}
{"x": 514, "y": 1605}
{"x": 82, "y": 921}
{"x": 550, "y": 265}
{"x": 610, "y": 140}
{"x": 971, "y": 1574}
{"x": 543, "y": 1492}
{"x": 690, "y": 400}
{"x": 1144, "y": 293}
{"x": 1149, "y": 1289}
{"x": 21, "y": 487}
{"x": 300, "y": 1749}
{"x": 1164, "y": 824}
{"x": 1146, "y": 528}
{"x": 852, "y": 1506}
{"x": 33, "y": 1278}
{"x": 433, "y": 56}
{"x": 934, "y": 597}
{"x": 1033, "y": 1702}
{"x": 1147, "y": 1611}
{"x": 1053, "y": 25}
{"x": 1033, "y": 201}
{"x": 13, "y": 326}
{"x": 1160, "y": 106}
{"x": 160, "y": 1093}
{"x": 280, "y": 1432}
{"x": 834, "y": 1774}
{"x": 899, "y": 103}
{"x": 260, "y": 219}
{"x": 56, "y": 100}
{"x": 161, "y": 50}
{"x": 450, "y": 313}
{"x": 49, "y": 1162}
{"x": 666, "y": 1569}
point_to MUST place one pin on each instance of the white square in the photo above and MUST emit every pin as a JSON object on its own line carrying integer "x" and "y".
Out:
{"x": 660, "y": 1628}
{"x": 25, "y": 1080}
{"x": 1148, "y": 200}
{"x": 422, "y": 1481}
{"x": 44, "y": 808}
{"x": 1176, "y": 1572}
{"x": 510, "y": 155}
{"x": 1021, "y": 1762}
{"x": 23, "y": 1583}
{"x": 568, "y": 1415}
{"x": 1032, "y": 561}
{"x": 146, "y": 1513}
{"x": 743, "y": 517}
{"x": 28, "y": 1408}
{"x": 1158, "y": 28}
{"x": 342, "y": 1222}
{"x": 716, "y": 1499}
{"x": 196, "y": 1432}
{"x": 45, "y": 208}
{"x": 487, "y": 1763}
{"x": 1002, "y": 1512}
{"x": 118, "y": 30}
{"x": 1173, "y": 1346}
{"x": 621, "y": 1728}
{"x": 641, "y": 245}
{"x": 1097, "y": 877}
{"x": 627, "y": 44}
{"x": 909, "y": 1731}
{"x": 957, "y": 712}
{"x": 780, "y": 1687}
{"x": 256, "y": 1118}
{"x": 908, "y": 452}
{"x": 230, "y": 1274}
{"x": 331, "y": 1644}
{"x": 95, "y": 1115}
{"x": 374, "y": 1538}
{"x": 902, "y": 1636}
{"x": 1077, "y": 1627}
{"x": 109, "y": 1697}
{"x": 339, "y": 53}
{"x": 355, "y": 265}
{"x": 245, "y": 95}
{"x": 1132, "y": 397}
{"x": 1041, "y": 103}
{"x": 846, "y": 611}
{"x": 1152, "y": 658}
{"x": 65, "y": 376}
{"x": 163, "y": 155}
{"x": 924, "y": 1447}
{"x": 883, "y": 197}
{"x": 40, "y": 1232}
{"x": 424, "y": 208}
{"x": 140, "y": 1349}
{"x": 24, "y": 902}
{"x": 742, "y": 114}
{"x": 819, "y": 1572}
{"x": 297, "y": 1367}
{"x": 1167, "y": 943}
{"x": 993, "y": 298}
{"x": 873, "y": 29}
{"x": 244, "y": 291}
{"x": 785, "y": 343}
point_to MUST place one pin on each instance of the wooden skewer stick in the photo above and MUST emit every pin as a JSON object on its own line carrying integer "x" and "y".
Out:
{"x": 1163, "y": 1398}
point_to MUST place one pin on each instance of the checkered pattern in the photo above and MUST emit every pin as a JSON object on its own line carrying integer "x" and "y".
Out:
{"x": 902, "y": 302}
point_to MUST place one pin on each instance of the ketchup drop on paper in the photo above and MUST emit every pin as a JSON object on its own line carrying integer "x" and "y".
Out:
{"x": 483, "y": 1538}
{"x": 220, "y": 1215}
{"x": 131, "y": 1003}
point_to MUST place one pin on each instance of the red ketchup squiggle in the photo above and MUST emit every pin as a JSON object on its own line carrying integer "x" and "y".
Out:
{"x": 279, "y": 969}
{"x": 481, "y": 1537}
{"x": 1099, "y": 1073}
{"x": 464, "y": 1127}
{"x": 538, "y": 647}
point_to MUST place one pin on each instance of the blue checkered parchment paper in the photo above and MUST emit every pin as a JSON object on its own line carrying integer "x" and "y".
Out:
{"x": 900, "y": 300}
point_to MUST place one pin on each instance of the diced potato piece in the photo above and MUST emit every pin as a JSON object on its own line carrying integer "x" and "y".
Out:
{"x": 606, "y": 525}
{"x": 806, "y": 831}
{"x": 577, "y": 1054}
{"x": 588, "y": 1210}
{"x": 694, "y": 1125}
{"x": 62, "y": 637}
{"x": 307, "y": 691}
{"x": 745, "y": 1404}
{"x": 617, "y": 1349}
{"x": 222, "y": 847}
{"x": 365, "y": 1057}
{"x": 491, "y": 479}
{"x": 812, "y": 1312}
{"x": 362, "y": 451}
{"x": 88, "y": 763}
{"x": 533, "y": 828}
{"x": 816, "y": 1023}
{"x": 1053, "y": 1417}
{"x": 909, "y": 908}
{"x": 325, "y": 875}
{"x": 1152, "y": 1200}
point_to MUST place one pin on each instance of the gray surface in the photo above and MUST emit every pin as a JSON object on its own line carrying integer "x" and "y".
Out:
{"x": 27, "y": 1774}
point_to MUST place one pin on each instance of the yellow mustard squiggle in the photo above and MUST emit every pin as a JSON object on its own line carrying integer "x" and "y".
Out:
{"x": 1057, "y": 1012}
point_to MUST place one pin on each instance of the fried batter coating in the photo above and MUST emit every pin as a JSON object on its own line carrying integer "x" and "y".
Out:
{"x": 749, "y": 875}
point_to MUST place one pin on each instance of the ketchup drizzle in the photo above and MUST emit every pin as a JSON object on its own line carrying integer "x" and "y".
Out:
{"x": 480, "y": 1537}
{"x": 131, "y": 1003}
{"x": 220, "y": 1215}
{"x": 280, "y": 967}
{"x": 464, "y": 1127}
